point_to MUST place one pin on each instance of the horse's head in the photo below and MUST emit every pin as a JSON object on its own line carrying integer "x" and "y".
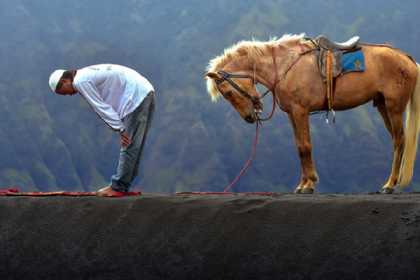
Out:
{"x": 239, "y": 89}
{"x": 234, "y": 73}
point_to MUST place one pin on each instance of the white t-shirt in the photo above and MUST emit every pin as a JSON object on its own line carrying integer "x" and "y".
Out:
{"x": 113, "y": 91}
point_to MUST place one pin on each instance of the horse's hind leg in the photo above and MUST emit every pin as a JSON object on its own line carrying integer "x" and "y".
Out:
{"x": 380, "y": 105}
{"x": 393, "y": 118}
{"x": 300, "y": 122}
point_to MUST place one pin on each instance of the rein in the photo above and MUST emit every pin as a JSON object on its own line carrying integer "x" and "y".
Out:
{"x": 248, "y": 162}
{"x": 259, "y": 120}
{"x": 227, "y": 77}
{"x": 273, "y": 88}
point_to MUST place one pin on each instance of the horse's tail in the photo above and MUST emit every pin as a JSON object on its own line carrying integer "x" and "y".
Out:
{"x": 411, "y": 132}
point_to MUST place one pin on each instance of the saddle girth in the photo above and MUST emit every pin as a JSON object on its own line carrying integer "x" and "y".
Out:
{"x": 329, "y": 55}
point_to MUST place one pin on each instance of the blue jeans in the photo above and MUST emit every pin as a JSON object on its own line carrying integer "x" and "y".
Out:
{"x": 137, "y": 125}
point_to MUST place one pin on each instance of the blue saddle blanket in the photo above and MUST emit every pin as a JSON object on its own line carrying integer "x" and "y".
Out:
{"x": 353, "y": 62}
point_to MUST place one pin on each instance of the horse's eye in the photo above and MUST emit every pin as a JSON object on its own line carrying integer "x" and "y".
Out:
{"x": 227, "y": 94}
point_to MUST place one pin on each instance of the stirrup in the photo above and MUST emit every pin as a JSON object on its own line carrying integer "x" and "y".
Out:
{"x": 327, "y": 117}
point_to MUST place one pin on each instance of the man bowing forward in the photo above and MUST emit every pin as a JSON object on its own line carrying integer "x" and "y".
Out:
{"x": 124, "y": 100}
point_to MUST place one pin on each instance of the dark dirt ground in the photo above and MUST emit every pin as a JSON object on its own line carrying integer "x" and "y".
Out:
{"x": 213, "y": 237}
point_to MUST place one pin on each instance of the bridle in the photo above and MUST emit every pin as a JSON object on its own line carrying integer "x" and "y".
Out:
{"x": 256, "y": 101}
{"x": 227, "y": 77}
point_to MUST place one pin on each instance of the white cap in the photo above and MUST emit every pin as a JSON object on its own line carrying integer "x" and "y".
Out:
{"x": 55, "y": 78}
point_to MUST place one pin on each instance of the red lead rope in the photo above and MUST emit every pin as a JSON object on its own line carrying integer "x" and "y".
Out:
{"x": 254, "y": 148}
{"x": 248, "y": 162}
{"x": 273, "y": 89}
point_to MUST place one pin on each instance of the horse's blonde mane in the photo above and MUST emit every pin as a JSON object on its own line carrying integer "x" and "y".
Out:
{"x": 253, "y": 49}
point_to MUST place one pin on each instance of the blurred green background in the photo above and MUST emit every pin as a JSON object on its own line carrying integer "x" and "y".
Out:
{"x": 50, "y": 142}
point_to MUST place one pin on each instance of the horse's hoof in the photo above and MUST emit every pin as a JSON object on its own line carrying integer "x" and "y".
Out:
{"x": 387, "y": 190}
{"x": 307, "y": 191}
{"x": 298, "y": 191}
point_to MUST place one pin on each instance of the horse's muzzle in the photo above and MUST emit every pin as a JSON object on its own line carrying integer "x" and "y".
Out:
{"x": 250, "y": 119}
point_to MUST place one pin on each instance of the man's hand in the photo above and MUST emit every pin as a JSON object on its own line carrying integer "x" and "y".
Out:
{"x": 125, "y": 139}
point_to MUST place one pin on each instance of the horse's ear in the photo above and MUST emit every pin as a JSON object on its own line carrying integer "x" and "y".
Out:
{"x": 212, "y": 75}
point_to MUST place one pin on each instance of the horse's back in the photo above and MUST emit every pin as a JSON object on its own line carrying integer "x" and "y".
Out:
{"x": 388, "y": 61}
{"x": 389, "y": 72}
{"x": 393, "y": 70}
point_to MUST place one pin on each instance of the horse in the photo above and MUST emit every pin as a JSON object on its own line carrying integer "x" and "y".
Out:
{"x": 288, "y": 67}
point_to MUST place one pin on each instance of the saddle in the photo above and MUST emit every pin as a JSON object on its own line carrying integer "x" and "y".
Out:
{"x": 326, "y": 43}
{"x": 329, "y": 55}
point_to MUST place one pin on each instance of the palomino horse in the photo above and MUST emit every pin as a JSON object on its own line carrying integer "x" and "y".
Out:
{"x": 289, "y": 69}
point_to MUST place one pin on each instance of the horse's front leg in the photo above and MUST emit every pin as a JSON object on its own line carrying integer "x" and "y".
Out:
{"x": 299, "y": 118}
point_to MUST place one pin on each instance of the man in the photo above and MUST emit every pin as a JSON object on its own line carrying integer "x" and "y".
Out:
{"x": 124, "y": 100}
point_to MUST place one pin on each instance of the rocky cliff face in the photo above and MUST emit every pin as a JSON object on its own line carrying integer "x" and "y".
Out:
{"x": 229, "y": 237}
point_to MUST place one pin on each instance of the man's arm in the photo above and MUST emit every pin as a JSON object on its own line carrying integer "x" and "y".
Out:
{"x": 104, "y": 110}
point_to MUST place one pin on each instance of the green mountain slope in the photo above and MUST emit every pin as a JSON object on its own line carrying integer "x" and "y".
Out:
{"x": 51, "y": 142}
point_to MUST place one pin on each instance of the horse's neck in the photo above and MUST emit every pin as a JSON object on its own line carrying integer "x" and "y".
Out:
{"x": 272, "y": 67}
{"x": 269, "y": 68}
